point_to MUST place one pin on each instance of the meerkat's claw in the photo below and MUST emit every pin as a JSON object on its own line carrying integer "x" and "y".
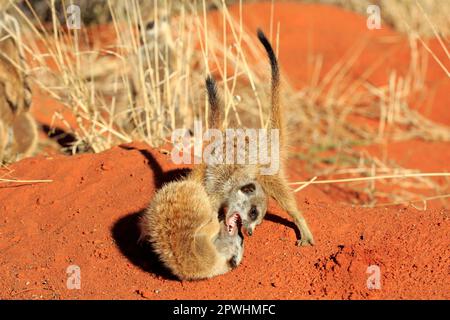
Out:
{"x": 305, "y": 242}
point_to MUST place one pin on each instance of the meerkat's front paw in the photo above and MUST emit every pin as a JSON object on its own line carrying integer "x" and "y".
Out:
{"x": 306, "y": 237}
{"x": 305, "y": 241}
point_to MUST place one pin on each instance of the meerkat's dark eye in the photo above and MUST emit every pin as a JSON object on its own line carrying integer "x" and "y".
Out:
{"x": 253, "y": 214}
{"x": 150, "y": 25}
{"x": 248, "y": 188}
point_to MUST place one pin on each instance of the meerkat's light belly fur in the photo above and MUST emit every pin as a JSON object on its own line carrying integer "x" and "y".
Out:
{"x": 18, "y": 129}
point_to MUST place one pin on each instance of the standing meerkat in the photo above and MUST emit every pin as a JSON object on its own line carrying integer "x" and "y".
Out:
{"x": 18, "y": 130}
{"x": 276, "y": 186}
{"x": 225, "y": 182}
{"x": 260, "y": 186}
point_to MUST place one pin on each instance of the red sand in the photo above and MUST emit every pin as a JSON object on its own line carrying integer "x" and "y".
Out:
{"x": 87, "y": 215}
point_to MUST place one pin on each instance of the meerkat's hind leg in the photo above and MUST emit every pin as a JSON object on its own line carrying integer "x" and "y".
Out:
{"x": 277, "y": 188}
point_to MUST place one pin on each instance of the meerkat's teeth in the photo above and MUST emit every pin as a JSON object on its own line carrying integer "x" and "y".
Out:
{"x": 233, "y": 222}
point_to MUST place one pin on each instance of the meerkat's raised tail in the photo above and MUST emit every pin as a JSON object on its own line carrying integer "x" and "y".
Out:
{"x": 276, "y": 186}
{"x": 276, "y": 120}
{"x": 215, "y": 116}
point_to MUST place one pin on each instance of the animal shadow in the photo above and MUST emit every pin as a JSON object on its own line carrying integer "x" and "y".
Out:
{"x": 126, "y": 234}
{"x": 126, "y": 230}
{"x": 64, "y": 139}
{"x": 285, "y": 222}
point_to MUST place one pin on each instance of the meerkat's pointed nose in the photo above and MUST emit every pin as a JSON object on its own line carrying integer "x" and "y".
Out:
{"x": 249, "y": 231}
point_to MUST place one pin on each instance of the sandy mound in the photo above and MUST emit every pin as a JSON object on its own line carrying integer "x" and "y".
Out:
{"x": 87, "y": 217}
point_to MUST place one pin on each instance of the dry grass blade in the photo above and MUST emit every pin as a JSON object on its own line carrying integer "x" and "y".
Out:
{"x": 412, "y": 201}
{"x": 303, "y": 186}
{"x": 24, "y": 181}
{"x": 394, "y": 176}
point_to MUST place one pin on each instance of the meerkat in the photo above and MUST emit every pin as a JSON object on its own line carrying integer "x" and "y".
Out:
{"x": 261, "y": 186}
{"x": 196, "y": 233}
{"x": 18, "y": 130}
{"x": 276, "y": 186}
{"x": 183, "y": 222}
{"x": 154, "y": 64}
{"x": 185, "y": 230}
{"x": 144, "y": 79}
{"x": 226, "y": 182}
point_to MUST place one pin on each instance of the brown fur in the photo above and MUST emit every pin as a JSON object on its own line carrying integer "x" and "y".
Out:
{"x": 184, "y": 230}
{"x": 276, "y": 186}
{"x": 18, "y": 130}
{"x": 183, "y": 226}
{"x": 226, "y": 182}
{"x": 182, "y": 222}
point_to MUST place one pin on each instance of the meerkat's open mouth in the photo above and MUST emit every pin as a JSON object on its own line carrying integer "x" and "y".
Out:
{"x": 233, "y": 223}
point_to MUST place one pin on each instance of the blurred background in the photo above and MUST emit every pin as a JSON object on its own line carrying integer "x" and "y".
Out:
{"x": 365, "y": 106}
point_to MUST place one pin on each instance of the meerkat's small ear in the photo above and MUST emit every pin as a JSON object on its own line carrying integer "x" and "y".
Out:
{"x": 28, "y": 95}
{"x": 215, "y": 116}
{"x": 9, "y": 50}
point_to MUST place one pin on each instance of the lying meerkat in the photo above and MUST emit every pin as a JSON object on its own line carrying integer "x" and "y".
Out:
{"x": 184, "y": 229}
{"x": 260, "y": 186}
{"x": 18, "y": 130}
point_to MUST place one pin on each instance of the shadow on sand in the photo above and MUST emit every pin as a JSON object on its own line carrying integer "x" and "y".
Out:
{"x": 126, "y": 232}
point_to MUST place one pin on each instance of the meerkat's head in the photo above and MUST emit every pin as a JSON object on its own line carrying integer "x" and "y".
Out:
{"x": 157, "y": 30}
{"x": 246, "y": 206}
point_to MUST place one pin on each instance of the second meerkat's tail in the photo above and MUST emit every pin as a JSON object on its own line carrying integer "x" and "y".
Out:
{"x": 214, "y": 121}
{"x": 215, "y": 116}
{"x": 276, "y": 120}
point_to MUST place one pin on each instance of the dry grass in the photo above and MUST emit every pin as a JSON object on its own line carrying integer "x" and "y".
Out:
{"x": 143, "y": 86}
{"x": 24, "y": 181}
